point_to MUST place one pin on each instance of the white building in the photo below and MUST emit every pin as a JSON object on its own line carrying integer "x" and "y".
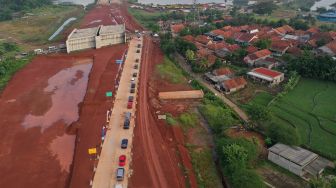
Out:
{"x": 265, "y": 75}
{"x": 96, "y": 37}
{"x": 297, "y": 160}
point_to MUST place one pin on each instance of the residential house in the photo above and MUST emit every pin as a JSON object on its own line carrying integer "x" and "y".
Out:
{"x": 188, "y": 38}
{"x": 203, "y": 40}
{"x": 265, "y": 75}
{"x": 245, "y": 38}
{"x": 218, "y": 75}
{"x": 268, "y": 62}
{"x": 217, "y": 46}
{"x": 279, "y": 48}
{"x": 299, "y": 161}
{"x": 176, "y": 28}
{"x": 232, "y": 85}
{"x": 229, "y": 49}
{"x": 283, "y": 30}
{"x": 261, "y": 54}
{"x": 251, "y": 49}
{"x": 329, "y": 48}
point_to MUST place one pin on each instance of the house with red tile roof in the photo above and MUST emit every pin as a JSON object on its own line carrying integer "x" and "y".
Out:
{"x": 267, "y": 76}
{"x": 223, "y": 71}
{"x": 329, "y": 48}
{"x": 218, "y": 75}
{"x": 313, "y": 30}
{"x": 217, "y": 46}
{"x": 234, "y": 84}
{"x": 203, "y": 40}
{"x": 251, "y": 49}
{"x": 261, "y": 54}
{"x": 279, "y": 48}
{"x": 176, "y": 28}
{"x": 188, "y": 38}
{"x": 286, "y": 29}
{"x": 227, "y": 50}
{"x": 246, "y": 38}
{"x": 294, "y": 51}
{"x": 268, "y": 62}
{"x": 333, "y": 34}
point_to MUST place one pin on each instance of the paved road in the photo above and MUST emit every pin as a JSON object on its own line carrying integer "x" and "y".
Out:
{"x": 199, "y": 78}
{"x": 105, "y": 176}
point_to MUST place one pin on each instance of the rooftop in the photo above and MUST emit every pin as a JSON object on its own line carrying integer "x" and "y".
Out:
{"x": 266, "y": 72}
{"x": 112, "y": 29}
{"x": 78, "y": 33}
{"x": 297, "y": 155}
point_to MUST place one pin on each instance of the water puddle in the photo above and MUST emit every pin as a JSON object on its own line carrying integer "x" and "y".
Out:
{"x": 67, "y": 89}
{"x": 63, "y": 148}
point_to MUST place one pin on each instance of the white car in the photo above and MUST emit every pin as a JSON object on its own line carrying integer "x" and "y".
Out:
{"x": 118, "y": 186}
{"x": 132, "y": 79}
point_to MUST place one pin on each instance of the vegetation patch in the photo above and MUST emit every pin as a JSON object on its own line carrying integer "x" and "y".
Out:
{"x": 304, "y": 116}
{"x": 170, "y": 72}
{"x": 40, "y": 24}
{"x": 204, "y": 168}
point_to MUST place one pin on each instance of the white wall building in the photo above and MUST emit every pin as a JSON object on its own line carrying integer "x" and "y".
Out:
{"x": 96, "y": 37}
{"x": 299, "y": 161}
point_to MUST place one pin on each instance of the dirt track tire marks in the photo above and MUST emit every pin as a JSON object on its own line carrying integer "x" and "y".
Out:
{"x": 145, "y": 120}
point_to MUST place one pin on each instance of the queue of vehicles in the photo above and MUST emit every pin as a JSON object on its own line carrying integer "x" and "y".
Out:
{"x": 127, "y": 118}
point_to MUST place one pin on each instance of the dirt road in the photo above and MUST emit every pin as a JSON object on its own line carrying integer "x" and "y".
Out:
{"x": 159, "y": 166}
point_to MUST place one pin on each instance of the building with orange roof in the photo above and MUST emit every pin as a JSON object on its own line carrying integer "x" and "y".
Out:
{"x": 329, "y": 48}
{"x": 176, "y": 28}
{"x": 286, "y": 29}
{"x": 217, "y": 46}
{"x": 233, "y": 85}
{"x": 267, "y": 76}
{"x": 203, "y": 40}
{"x": 188, "y": 38}
{"x": 261, "y": 54}
{"x": 279, "y": 48}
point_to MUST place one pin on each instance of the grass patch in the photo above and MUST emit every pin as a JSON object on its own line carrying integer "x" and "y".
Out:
{"x": 171, "y": 120}
{"x": 262, "y": 98}
{"x": 205, "y": 169}
{"x": 11, "y": 69}
{"x": 170, "y": 72}
{"x": 310, "y": 109}
{"x": 147, "y": 19}
{"x": 36, "y": 29}
{"x": 188, "y": 120}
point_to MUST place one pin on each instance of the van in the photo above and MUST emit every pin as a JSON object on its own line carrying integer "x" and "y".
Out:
{"x": 120, "y": 174}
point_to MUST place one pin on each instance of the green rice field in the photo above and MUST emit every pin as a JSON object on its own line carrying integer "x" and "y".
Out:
{"x": 311, "y": 109}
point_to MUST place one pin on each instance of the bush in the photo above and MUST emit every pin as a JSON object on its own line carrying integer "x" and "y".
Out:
{"x": 284, "y": 134}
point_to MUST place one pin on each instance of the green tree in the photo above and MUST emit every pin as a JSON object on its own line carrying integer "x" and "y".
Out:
{"x": 263, "y": 43}
{"x": 190, "y": 55}
{"x": 264, "y": 7}
{"x": 258, "y": 112}
{"x": 284, "y": 134}
{"x": 246, "y": 179}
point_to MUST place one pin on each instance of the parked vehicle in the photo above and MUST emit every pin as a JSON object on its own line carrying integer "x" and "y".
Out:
{"x": 130, "y": 98}
{"x": 135, "y": 74}
{"x": 118, "y": 186}
{"x": 132, "y": 85}
{"x": 122, "y": 160}
{"x": 127, "y": 119}
{"x": 139, "y": 45}
{"x": 132, "y": 90}
{"x": 136, "y": 66}
{"x": 124, "y": 143}
{"x": 129, "y": 104}
{"x": 120, "y": 174}
{"x": 137, "y": 60}
{"x": 132, "y": 79}
{"x": 138, "y": 51}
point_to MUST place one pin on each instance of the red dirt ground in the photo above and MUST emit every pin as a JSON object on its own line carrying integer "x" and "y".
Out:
{"x": 25, "y": 158}
{"x": 158, "y": 149}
